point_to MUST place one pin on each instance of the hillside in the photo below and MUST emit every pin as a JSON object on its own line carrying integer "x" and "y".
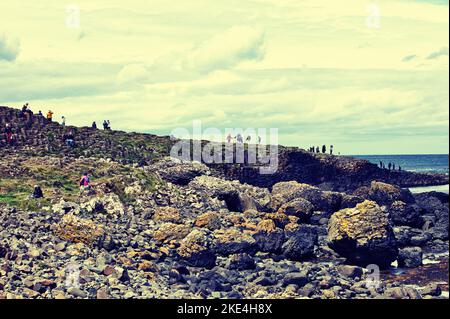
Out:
{"x": 151, "y": 227}
{"x": 333, "y": 172}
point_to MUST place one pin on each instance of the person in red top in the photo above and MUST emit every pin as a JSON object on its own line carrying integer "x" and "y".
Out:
{"x": 84, "y": 183}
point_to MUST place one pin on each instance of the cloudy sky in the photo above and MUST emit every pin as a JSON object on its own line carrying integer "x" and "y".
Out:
{"x": 368, "y": 77}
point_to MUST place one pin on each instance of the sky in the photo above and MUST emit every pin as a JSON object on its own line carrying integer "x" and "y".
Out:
{"x": 367, "y": 77}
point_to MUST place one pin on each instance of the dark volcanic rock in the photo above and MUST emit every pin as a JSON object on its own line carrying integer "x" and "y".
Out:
{"x": 300, "y": 243}
{"x": 410, "y": 257}
{"x": 403, "y": 214}
{"x": 240, "y": 262}
{"x": 363, "y": 235}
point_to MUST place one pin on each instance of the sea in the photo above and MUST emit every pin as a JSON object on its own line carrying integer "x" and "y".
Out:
{"x": 433, "y": 163}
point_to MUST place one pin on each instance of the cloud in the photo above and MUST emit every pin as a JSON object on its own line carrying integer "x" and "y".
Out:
{"x": 9, "y": 49}
{"x": 437, "y": 54}
{"x": 132, "y": 73}
{"x": 409, "y": 58}
{"x": 226, "y": 50}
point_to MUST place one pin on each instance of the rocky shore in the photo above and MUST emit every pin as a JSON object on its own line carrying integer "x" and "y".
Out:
{"x": 157, "y": 228}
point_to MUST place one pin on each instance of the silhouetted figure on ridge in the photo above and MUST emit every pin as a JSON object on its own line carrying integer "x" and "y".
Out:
{"x": 324, "y": 149}
{"x": 94, "y": 125}
{"x": 331, "y": 149}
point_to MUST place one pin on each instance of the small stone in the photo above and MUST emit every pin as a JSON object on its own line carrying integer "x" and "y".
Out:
{"x": 296, "y": 278}
{"x": 77, "y": 292}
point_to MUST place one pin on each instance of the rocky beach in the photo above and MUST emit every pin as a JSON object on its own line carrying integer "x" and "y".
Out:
{"x": 321, "y": 227}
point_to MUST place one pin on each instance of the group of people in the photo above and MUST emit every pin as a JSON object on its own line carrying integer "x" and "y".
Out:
{"x": 316, "y": 149}
{"x": 240, "y": 139}
{"x": 27, "y": 115}
{"x": 390, "y": 166}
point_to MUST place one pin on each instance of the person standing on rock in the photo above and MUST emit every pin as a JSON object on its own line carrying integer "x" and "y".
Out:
{"x": 85, "y": 183}
{"x": 331, "y": 149}
{"x": 8, "y": 133}
{"x": 63, "y": 123}
{"x": 324, "y": 149}
{"x": 94, "y": 125}
{"x": 49, "y": 116}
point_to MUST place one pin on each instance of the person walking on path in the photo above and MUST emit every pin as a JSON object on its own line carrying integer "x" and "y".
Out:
{"x": 85, "y": 184}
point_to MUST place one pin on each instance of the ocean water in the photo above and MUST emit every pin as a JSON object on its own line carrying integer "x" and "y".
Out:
{"x": 416, "y": 163}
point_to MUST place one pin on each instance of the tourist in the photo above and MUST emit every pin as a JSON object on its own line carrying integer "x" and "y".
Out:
{"x": 331, "y": 149}
{"x": 106, "y": 125}
{"x": 229, "y": 138}
{"x": 63, "y": 123}
{"x": 324, "y": 149}
{"x": 248, "y": 139}
{"x": 49, "y": 116}
{"x": 389, "y": 166}
{"x": 9, "y": 134}
{"x": 85, "y": 183}
{"x": 317, "y": 149}
{"x": 94, "y": 125}
{"x": 69, "y": 139}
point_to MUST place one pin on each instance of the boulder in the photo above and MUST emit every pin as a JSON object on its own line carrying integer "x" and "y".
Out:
{"x": 268, "y": 237}
{"x": 410, "y": 257}
{"x": 77, "y": 230}
{"x": 299, "y": 207}
{"x": 209, "y": 220}
{"x": 384, "y": 194}
{"x": 403, "y": 214}
{"x": 350, "y": 271}
{"x": 109, "y": 204}
{"x": 237, "y": 197}
{"x": 299, "y": 279}
{"x": 170, "y": 232}
{"x": 196, "y": 250}
{"x": 178, "y": 172}
{"x": 285, "y": 192}
{"x": 233, "y": 241}
{"x": 363, "y": 235}
{"x": 167, "y": 215}
{"x": 240, "y": 262}
{"x": 300, "y": 243}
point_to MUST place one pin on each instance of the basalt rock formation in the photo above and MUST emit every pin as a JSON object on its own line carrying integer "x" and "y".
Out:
{"x": 329, "y": 172}
{"x": 151, "y": 227}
